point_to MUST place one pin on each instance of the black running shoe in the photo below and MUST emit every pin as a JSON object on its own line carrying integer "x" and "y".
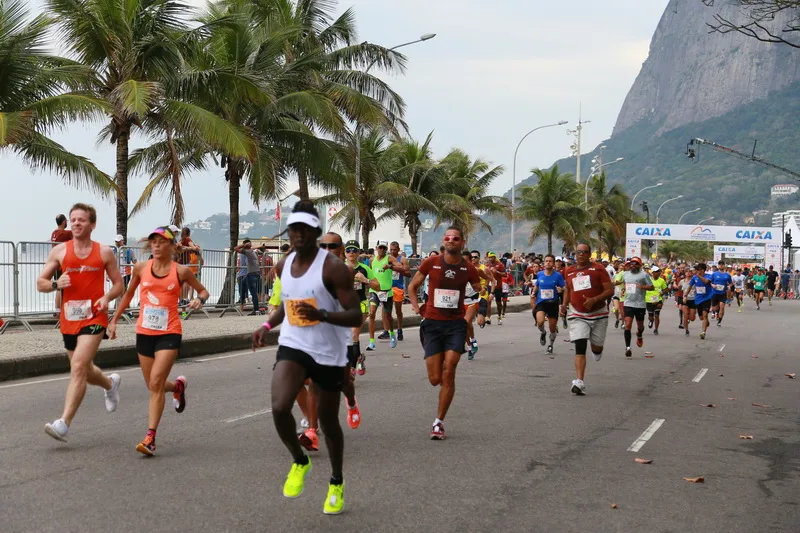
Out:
{"x": 399, "y": 334}
{"x": 543, "y": 339}
{"x": 384, "y": 336}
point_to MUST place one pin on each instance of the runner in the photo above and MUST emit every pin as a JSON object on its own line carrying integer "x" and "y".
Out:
{"x": 473, "y": 301}
{"x": 507, "y": 285}
{"x": 703, "y": 295}
{"x": 721, "y": 282}
{"x": 319, "y": 306}
{"x": 364, "y": 279}
{"x": 636, "y": 284}
{"x": 497, "y": 269}
{"x": 655, "y": 299}
{"x": 689, "y": 307}
{"x": 587, "y": 287}
{"x": 399, "y": 275}
{"x": 677, "y": 288}
{"x": 759, "y": 285}
{"x": 786, "y": 276}
{"x": 84, "y": 313}
{"x": 619, "y": 293}
{"x": 158, "y": 329}
{"x": 487, "y": 288}
{"x": 548, "y": 286}
{"x": 738, "y": 287}
{"x": 772, "y": 278}
{"x": 383, "y": 265}
{"x": 443, "y": 328}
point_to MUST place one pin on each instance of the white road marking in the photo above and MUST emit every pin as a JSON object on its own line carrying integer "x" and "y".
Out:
{"x": 644, "y": 437}
{"x": 249, "y": 415}
{"x": 699, "y": 375}
{"x": 721, "y": 348}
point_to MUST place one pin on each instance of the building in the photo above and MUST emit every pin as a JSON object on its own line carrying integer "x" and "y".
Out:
{"x": 783, "y": 189}
{"x": 779, "y": 221}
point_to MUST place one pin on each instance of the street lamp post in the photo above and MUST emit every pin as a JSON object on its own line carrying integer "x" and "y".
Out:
{"x": 424, "y": 37}
{"x": 642, "y": 190}
{"x": 593, "y": 172}
{"x": 659, "y": 211}
{"x": 514, "y": 176}
{"x": 705, "y": 220}
{"x": 687, "y": 212}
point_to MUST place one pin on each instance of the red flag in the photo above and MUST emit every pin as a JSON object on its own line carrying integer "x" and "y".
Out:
{"x": 278, "y": 212}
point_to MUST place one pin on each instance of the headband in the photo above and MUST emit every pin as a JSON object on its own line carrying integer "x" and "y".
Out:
{"x": 303, "y": 218}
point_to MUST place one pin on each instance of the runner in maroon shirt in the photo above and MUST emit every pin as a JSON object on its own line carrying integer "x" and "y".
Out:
{"x": 444, "y": 329}
{"x": 588, "y": 288}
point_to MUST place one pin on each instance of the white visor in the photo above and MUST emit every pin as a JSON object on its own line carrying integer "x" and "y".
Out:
{"x": 303, "y": 218}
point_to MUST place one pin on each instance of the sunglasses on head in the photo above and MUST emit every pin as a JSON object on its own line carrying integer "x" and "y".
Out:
{"x": 351, "y": 250}
{"x": 452, "y": 238}
{"x": 329, "y": 245}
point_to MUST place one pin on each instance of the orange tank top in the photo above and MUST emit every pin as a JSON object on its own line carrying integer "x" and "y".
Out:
{"x": 87, "y": 285}
{"x": 159, "y": 302}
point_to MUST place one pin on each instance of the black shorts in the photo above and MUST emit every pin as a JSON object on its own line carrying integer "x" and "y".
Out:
{"x": 719, "y": 299}
{"x": 635, "y": 312}
{"x": 689, "y": 304}
{"x": 148, "y": 345}
{"x": 759, "y": 291}
{"x": 352, "y": 356}
{"x": 71, "y": 341}
{"x": 679, "y": 300}
{"x": 376, "y": 302}
{"x": 771, "y": 287}
{"x": 498, "y": 295}
{"x": 483, "y": 306}
{"x": 548, "y": 307}
{"x": 704, "y": 307}
{"x": 439, "y": 336}
{"x": 327, "y": 378}
{"x": 654, "y": 307}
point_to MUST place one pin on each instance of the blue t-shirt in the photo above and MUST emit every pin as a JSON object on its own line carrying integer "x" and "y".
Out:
{"x": 703, "y": 291}
{"x": 785, "y": 278}
{"x": 720, "y": 282}
{"x": 547, "y": 286}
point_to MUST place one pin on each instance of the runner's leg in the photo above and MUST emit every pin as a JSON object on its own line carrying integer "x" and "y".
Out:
{"x": 82, "y": 371}
{"x": 287, "y": 379}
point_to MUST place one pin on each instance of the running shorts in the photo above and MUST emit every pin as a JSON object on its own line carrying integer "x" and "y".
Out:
{"x": 71, "y": 341}
{"x": 679, "y": 300}
{"x": 148, "y": 345}
{"x": 759, "y": 291}
{"x": 483, "y": 306}
{"x": 654, "y": 308}
{"x": 704, "y": 307}
{"x": 498, "y": 295}
{"x": 505, "y": 296}
{"x": 398, "y": 295}
{"x": 594, "y": 330}
{"x": 635, "y": 312}
{"x": 719, "y": 299}
{"x": 439, "y": 336}
{"x": 328, "y": 378}
{"x": 468, "y": 302}
{"x": 689, "y": 304}
{"x": 548, "y": 307}
{"x": 375, "y": 301}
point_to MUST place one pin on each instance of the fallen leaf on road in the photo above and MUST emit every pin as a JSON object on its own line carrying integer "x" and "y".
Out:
{"x": 731, "y": 399}
{"x": 700, "y": 479}
{"x": 671, "y": 371}
{"x": 746, "y": 437}
{"x": 613, "y": 505}
{"x": 406, "y": 356}
{"x": 709, "y": 405}
{"x": 791, "y": 376}
{"x": 754, "y": 356}
{"x": 720, "y": 355}
{"x": 647, "y": 353}
{"x": 721, "y": 375}
{"x": 760, "y": 405}
{"x": 649, "y": 356}
{"x": 643, "y": 461}
{"x": 395, "y": 364}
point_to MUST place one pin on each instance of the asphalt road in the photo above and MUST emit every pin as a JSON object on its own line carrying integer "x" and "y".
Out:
{"x": 522, "y": 453}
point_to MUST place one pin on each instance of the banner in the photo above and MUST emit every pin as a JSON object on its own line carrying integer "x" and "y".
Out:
{"x": 739, "y": 252}
{"x": 633, "y": 248}
{"x": 772, "y": 256}
{"x": 688, "y": 232}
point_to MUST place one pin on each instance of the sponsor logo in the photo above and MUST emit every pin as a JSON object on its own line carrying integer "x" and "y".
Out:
{"x": 450, "y": 274}
{"x": 702, "y": 234}
{"x": 755, "y": 235}
{"x": 653, "y": 231}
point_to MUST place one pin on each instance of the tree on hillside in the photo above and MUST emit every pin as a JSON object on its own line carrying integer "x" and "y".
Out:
{"x": 759, "y": 17}
{"x": 39, "y": 92}
{"x": 553, "y": 205}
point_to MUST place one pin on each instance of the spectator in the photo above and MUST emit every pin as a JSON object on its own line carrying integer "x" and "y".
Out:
{"x": 189, "y": 254}
{"x": 253, "y": 272}
{"x": 241, "y": 279}
{"x": 126, "y": 259}
{"x": 60, "y": 234}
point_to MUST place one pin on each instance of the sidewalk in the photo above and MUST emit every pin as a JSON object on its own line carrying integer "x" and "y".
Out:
{"x": 42, "y": 352}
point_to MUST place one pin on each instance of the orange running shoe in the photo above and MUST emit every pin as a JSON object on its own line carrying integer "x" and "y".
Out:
{"x": 353, "y": 416}
{"x": 147, "y": 446}
{"x": 639, "y": 341}
{"x": 309, "y": 440}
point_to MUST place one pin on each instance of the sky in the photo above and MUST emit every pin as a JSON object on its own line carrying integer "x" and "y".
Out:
{"x": 494, "y": 71}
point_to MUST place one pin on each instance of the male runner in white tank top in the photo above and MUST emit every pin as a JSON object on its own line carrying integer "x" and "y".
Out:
{"x": 319, "y": 306}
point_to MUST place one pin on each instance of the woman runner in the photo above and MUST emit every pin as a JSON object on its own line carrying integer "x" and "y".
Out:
{"x": 159, "y": 329}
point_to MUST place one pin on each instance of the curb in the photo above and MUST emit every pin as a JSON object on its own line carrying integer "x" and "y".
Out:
{"x": 112, "y": 357}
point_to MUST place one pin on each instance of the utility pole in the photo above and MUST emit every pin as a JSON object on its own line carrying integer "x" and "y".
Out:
{"x": 576, "y": 147}
{"x": 783, "y": 240}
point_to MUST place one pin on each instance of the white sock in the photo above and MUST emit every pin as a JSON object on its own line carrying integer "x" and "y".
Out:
{"x": 437, "y": 421}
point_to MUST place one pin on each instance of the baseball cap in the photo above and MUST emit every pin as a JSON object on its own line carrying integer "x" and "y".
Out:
{"x": 491, "y": 254}
{"x": 352, "y": 244}
{"x": 382, "y": 243}
{"x": 164, "y": 232}
{"x": 655, "y": 269}
{"x": 635, "y": 260}
{"x": 119, "y": 238}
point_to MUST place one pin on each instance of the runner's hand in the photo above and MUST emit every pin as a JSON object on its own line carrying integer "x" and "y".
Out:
{"x": 259, "y": 338}
{"x": 112, "y": 330}
{"x": 101, "y": 305}
{"x": 63, "y": 282}
{"x": 195, "y": 304}
{"x": 415, "y": 307}
{"x": 308, "y": 312}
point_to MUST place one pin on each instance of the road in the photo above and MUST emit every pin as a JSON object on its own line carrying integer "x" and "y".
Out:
{"x": 522, "y": 453}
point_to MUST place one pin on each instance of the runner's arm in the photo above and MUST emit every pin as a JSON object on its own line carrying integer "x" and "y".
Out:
{"x": 185, "y": 274}
{"x": 413, "y": 289}
{"x": 112, "y": 271}
{"x": 45, "y": 281}
{"x": 125, "y": 302}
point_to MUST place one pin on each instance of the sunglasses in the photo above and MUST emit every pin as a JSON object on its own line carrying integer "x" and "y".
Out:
{"x": 351, "y": 250}
{"x": 581, "y": 251}
{"x": 452, "y": 238}
{"x": 475, "y": 257}
{"x": 329, "y": 245}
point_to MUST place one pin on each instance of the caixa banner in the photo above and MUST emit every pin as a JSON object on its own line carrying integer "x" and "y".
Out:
{"x": 688, "y": 232}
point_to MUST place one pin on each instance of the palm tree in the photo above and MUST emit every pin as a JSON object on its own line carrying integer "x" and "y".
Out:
{"x": 465, "y": 199}
{"x": 32, "y": 98}
{"x": 609, "y": 213}
{"x": 553, "y": 205}
{"x": 136, "y": 51}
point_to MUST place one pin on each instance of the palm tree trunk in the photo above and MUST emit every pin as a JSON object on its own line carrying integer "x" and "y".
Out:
{"x": 235, "y": 170}
{"x": 550, "y": 241}
{"x": 302, "y": 183}
{"x": 364, "y": 236}
{"x": 121, "y": 178}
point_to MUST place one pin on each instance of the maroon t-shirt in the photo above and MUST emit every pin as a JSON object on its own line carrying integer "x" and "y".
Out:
{"x": 61, "y": 235}
{"x": 446, "y": 287}
{"x": 586, "y": 283}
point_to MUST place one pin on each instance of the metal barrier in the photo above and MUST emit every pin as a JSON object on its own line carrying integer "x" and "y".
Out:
{"x": 31, "y": 258}
{"x": 9, "y": 283}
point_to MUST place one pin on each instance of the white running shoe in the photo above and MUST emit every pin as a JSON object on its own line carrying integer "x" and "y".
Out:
{"x": 578, "y": 387}
{"x": 304, "y": 425}
{"x": 112, "y": 395}
{"x": 58, "y": 430}
{"x": 597, "y": 356}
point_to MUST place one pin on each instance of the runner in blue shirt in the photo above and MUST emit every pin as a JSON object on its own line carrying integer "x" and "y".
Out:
{"x": 721, "y": 283}
{"x": 549, "y": 283}
{"x": 703, "y": 295}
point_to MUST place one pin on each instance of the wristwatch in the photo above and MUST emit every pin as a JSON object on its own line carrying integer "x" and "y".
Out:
{"x": 55, "y": 285}
{"x": 324, "y": 314}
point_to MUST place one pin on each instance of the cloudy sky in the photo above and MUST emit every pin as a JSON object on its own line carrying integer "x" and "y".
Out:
{"x": 494, "y": 71}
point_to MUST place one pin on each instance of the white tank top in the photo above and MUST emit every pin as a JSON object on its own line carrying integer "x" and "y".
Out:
{"x": 325, "y": 343}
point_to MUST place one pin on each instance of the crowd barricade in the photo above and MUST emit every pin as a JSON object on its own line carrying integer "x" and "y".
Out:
{"x": 31, "y": 258}
{"x": 9, "y": 294}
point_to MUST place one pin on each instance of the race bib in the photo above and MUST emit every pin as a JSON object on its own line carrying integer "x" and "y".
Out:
{"x": 357, "y": 285}
{"x": 445, "y": 298}
{"x": 700, "y": 289}
{"x": 294, "y": 318}
{"x": 77, "y": 310}
{"x": 654, "y": 298}
{"x": 581, "y": 283}
{"x": 383, "y": 296}
{"x": 155, "y": 318}
{"x": 630, "y": 288}
{"x": 547, "y": 294}
{"x": 505, "y": 287}
{"x": 719, "y": 287}
{"x": 395, "y": 275}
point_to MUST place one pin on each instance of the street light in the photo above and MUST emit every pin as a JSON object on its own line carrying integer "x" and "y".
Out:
{"x": 642, "y": 190}
{"x": 514, "y": 176}
{"x": 659, "y": 211}
{"x": 593, "y": 171}
{"x": 687, "y": 212}
{"x": 705, "y": 220}
{"x": 423, "y": 37}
